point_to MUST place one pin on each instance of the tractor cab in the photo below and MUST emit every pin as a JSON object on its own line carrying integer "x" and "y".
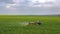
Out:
{"x": 38, "y": 22}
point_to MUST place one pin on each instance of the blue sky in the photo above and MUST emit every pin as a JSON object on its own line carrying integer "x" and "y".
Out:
{"x": 30, "y": 7}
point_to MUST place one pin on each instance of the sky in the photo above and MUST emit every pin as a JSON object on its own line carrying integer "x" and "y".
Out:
{"x": 30, "y": 7}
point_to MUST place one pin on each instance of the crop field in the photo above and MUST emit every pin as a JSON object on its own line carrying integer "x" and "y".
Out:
{"x": 12, "y": 24}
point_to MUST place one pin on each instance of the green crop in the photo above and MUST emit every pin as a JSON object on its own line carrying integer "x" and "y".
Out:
{"x": 10, "y": 24}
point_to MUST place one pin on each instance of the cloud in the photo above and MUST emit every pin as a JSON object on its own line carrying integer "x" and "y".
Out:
{"x": 10, "y": 5}
{"x": 40, "y": 3}
{"x": 35, "y": 3}
{"x": 30, "y": 7}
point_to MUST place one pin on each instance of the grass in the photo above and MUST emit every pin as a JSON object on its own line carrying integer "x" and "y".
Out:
{"x": 10, "y": 25}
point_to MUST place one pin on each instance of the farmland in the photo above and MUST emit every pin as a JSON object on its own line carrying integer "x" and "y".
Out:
{"x": 10, "y": 24}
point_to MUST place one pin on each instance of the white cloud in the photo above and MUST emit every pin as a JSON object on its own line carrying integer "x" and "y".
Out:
{"x": 41, "y": 3}
{"x": 11, "y": 8}
{"x": 35, "y": 3}
{"x": 16, "y": 1}
{"x": 10, "y": 5}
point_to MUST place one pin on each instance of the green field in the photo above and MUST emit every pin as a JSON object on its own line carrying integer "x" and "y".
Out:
{"x": 11, "y": 25}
